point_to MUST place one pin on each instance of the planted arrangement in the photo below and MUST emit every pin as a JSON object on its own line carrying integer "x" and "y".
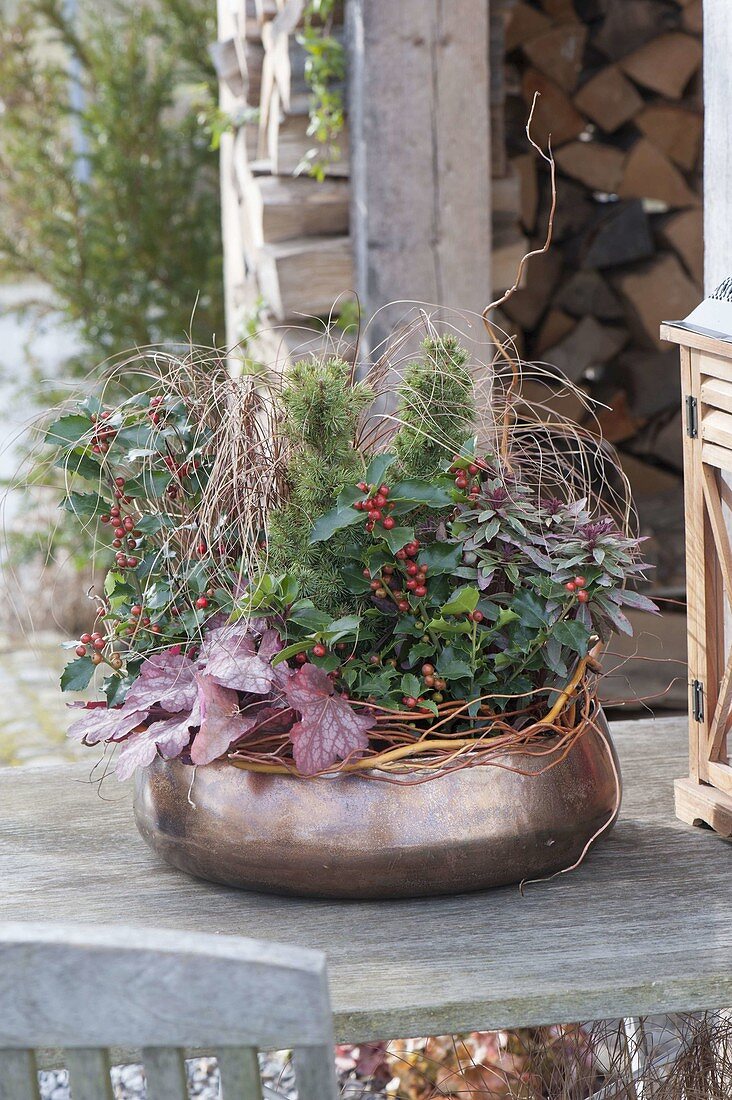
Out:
{"x": 302, "y": 584}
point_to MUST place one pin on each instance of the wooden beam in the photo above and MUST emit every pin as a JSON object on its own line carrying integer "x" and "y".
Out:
{"x": 420, "y": 163}
{"x": 717, "y": 142}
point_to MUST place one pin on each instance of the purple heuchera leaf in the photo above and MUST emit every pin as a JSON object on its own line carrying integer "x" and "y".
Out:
{"x": 329, "y": 728}
{"x": 100, "y": 724}
{"x": 221, "y": 721}
{"x": 232, "y": 660}
{"x": 168, "y": 679}
{"x": 170, "y": 737}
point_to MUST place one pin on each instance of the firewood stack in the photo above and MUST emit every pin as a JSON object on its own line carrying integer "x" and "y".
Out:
{"x": 620, "y": 84}
{"x": 286, "y": 233}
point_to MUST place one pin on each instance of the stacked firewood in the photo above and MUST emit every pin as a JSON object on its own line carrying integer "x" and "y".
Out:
{"x": 291, "y": 250}
{"x": 620, "y": 84}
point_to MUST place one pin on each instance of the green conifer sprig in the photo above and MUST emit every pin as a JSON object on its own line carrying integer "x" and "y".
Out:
{"x": 321, "y": 406}
{"x": 436, "y": 408}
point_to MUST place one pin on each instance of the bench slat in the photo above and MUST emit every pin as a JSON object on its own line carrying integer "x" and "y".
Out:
{"x": 89, "y": 1077}
{"x": 165, "y": 1073}
{"x": 240, "y": 1076}
{"x": 18, "y": 1075}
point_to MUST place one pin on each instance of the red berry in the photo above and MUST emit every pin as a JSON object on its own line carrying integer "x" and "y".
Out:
{"x": 374, "y": 515}
{"x": 570, "y": 586}
{"x": 136, "y": 610}
{"x": 155, "y": 628}
{"x": 362, "y": 486}
{"x": 580, "y": 582}
{"x": 403, "y": 606}
{"x": 116, "y": 543}
{"x": 114, "y": 511}
{"x": 201, "y": 602}
{"x": 104, "y": 519}
{"x": 120, "y": 481}
{"x": 409, "y": 701}
{"x": 472, "y": 469}
{"x": 476, "y": 616}
{"x": 80, "y": 651}
{"x": 358, "y": 505}
{"x": 420, "y": 591}
{"x": 119, "y": 532}
{"x": 412, "y": 569}
{"x": 412, "y": 584}
{"x": 85, "y": 638}
{"x": 129, "y": 523}
{"x": 99, "y": 643}
{"x": 380, "y": 500}
{"x": 319, "y": 650}
{"x": 384, "y": 490}
{"x": 131, "y": 563}
{"x": 401, "y": 555}
{"x": 95, "y": 635}
{"x": 366, "y": 573}
{"x": 583, "y": 596}
{"x": 155, "y": 417}
{"x": 389, "y": 522}
{"x": 301, "y": 658}
{"x": 428, "y": 670}
{"x": 96, "y": 449}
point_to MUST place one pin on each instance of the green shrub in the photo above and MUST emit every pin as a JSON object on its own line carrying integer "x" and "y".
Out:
{"x": 109, "y": 190}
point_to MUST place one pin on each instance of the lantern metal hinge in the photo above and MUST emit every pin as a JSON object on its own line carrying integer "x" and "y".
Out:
{"x": 697, "y": 700}
{"x": 692, "y": 417}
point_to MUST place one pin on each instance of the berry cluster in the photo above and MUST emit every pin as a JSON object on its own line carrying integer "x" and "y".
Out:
{"x": 93, "y": 644}
{"x": 578, "y": 585}
{"x": 155, "y": 412}
{"x": 104, "y": 433}
{"x": 432, "y": 683}
{"x": 126, "y": 535}
{"x": 392, "y": 580}
{"x": 375, "y": 503}
{"x": 467, "y": 475}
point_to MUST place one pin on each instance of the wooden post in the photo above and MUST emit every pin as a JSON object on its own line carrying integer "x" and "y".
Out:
{"x": 717, "y": 142}
{"x": 419, "y": 95}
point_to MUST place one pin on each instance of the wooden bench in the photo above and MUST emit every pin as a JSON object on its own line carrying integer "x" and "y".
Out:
{"x": 644, "y": 926}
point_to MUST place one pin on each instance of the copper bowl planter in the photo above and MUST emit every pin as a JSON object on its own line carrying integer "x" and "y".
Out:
{"x": 350, "y": 837}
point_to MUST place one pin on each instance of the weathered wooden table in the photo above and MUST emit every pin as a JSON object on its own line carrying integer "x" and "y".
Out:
{"x": 644, "y": 926}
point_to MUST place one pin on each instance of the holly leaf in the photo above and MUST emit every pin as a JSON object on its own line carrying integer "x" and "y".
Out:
{"x": 77, "y": 674}
{"x": 572, "y": 634}
{"x": 68, "y": 430}
{"x": 441, "y": 557}
{"x": 84, "y": 504}
{"x": 377, "y": 468}
{"x": 463, "y": 600}
{"x": 421, "y": 492}
{"x": 168, "y": 679}
{"x": 329, "y": 728}
{"x": 335, "y": 520}
{"x": 221, "y": 721}
{"x": 397, "y": 537}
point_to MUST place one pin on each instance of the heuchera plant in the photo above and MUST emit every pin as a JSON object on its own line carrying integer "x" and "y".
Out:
{"x": 393, "y": 573}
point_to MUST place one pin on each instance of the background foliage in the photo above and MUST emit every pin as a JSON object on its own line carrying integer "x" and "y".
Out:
{"x": 108, "y": 186}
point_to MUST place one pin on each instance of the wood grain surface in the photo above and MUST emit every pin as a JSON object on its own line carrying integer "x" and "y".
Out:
{"x": 644, "y": 926}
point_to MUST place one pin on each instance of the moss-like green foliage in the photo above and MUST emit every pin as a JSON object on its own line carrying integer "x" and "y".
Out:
{"x": 321, "y": 408}
{"x": 436, "y": 408}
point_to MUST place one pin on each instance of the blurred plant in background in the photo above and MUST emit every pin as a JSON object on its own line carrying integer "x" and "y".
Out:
{"x": 109, "y": 190}
{"x": 109, "y": 217}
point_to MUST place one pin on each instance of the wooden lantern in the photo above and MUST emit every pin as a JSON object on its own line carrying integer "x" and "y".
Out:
{"x": 705, "y": 341}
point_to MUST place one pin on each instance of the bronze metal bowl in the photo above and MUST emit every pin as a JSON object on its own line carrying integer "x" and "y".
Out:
{"x": 349, "y": 837}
